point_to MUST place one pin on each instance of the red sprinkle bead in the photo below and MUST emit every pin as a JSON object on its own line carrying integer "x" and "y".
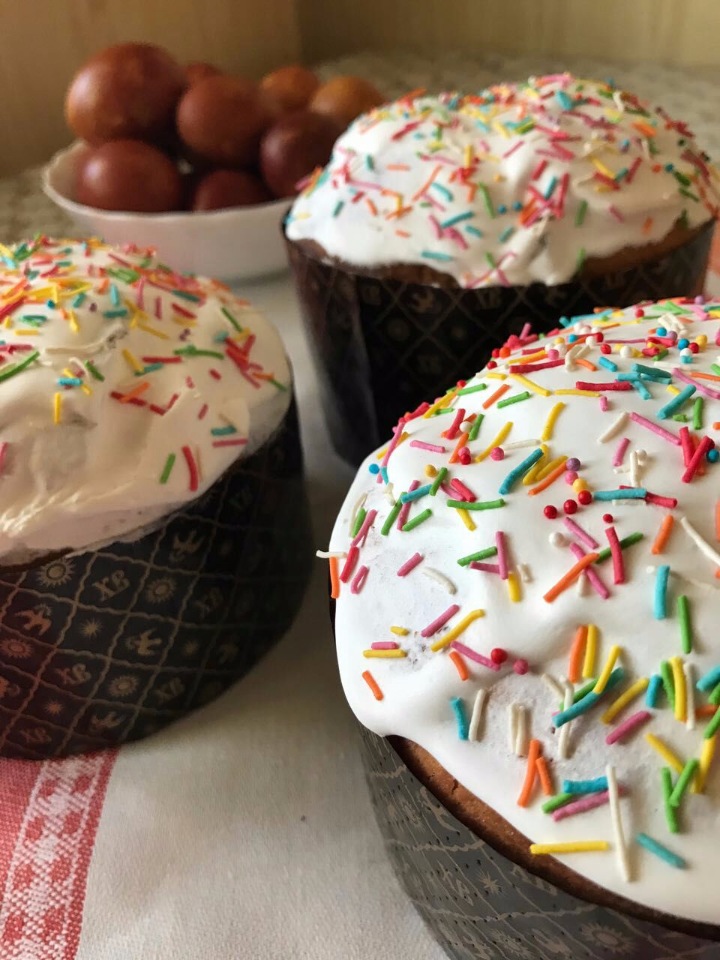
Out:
{"x": 550, "y": 511}
{"x": 498, "y": 655}
{"x": 639, "y": 312}
{"x": 605, "y": 348}
{"x": 464, "y": 456}
{"x": 607, "y": 518}
{"x": 694, "y": 348}
{"x": 570, "y": 506}
{"x": 491, "y": 364}
{"x": 521, "y": 667}
{"x": 585, "y": 497}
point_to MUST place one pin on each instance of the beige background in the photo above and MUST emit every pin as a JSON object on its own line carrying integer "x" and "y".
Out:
{"x": 44, "y": 41}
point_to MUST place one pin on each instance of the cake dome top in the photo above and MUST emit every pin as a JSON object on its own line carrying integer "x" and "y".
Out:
{"x": 521, "y": 182}
{"x": 540, "y": 547}
{"x": 127, "y": 390}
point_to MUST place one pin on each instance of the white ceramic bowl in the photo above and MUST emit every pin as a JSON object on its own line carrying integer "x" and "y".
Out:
{"x": 235, "y": 244}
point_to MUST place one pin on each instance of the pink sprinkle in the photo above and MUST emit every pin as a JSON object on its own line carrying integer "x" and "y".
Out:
{"x": 158, "y": 308}
{"x": 361, "y": 536}
{"x": 3, "y": 454}
{"x": 620, "y": 452}
{"x": 687, "y": 445}
{"x": 581, "y": 534}
{"x": 628, "y": 726}
{"x": 203, "y": 411}
{"x": 526, "y": 331}
{"x": 384, "y": 645}
{"x": 432, "y": 447}
{"x": 593, "y": 577}
{"x": 697, "y": 458}
{"x": 531, "y": 367}
{"x": 502, "y": 554}
{"x": 684, "y": 378}
{"x": 410, "y": 564}
{"x": 588, "y": 802}
{"x": 538, "y": 171}
{"x": 521, "y": 667}
{"x": 236, "y": 442}
{"x": 497, "y": 453}
{"x": 670, "y": 502}
{"x": 394, "y": 442}
{"x": 617, "y": 557}
{"x": 655, "y": 428}
{"x": 472, "y": 655}
{"x": 453, "y": 429}
{"x": 349, "y": 565}
{"x": 215, "y": 374}
{"x": 511, "y": 151}
{"x": 604, "y": 403}
{"x": 433, "y": 627}
{"x": 359, "y": 580}
{"x": 616, "y": 213}
{"x": 464, "y": 492}
{"x": 190, "y": 383}
{"x": 485, "y": 567}
{"x": 405, "y": 509}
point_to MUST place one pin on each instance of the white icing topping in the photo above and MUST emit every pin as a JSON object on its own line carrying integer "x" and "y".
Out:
{"x": 418, "y": 689}
{"x": 518, "y": 184}
{"x": 76, "y": 312}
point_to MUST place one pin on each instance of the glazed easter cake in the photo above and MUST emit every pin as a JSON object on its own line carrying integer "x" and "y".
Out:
{"x": 444, "y": 223}
{"x": 526, "y": 584}
{"x": 147, "y": 434}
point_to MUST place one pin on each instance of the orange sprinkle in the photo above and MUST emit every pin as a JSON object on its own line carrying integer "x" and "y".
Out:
{"x": 102, "y": 287}
{"x": 577, "y": 652}
{"x": 372, "y": 683}
{"x": 664, "y": 532}
{"x": 458, "y": 447}
{"x": 550, "y": 478}
{"x": 460, "y": 664}
{"x": 582, "y": 362}
{"x": 570, "y": 577}
{"x": 401, "y": 233}
{"x": 371, "y": 206}
{"x": 531, "y": 773}
{"x": 135, "y": 392}
{"x": 427, "y": 183}
{"x": 396, "y": 214}
{"x": 647, "y": 226}
{"x": 716, "y": 425}
{"x": 707, "y": 376}
{"x": 397, "y": 166}
{"x": 645, "y": 128}
{"x": 334, "y": 579}
{"x": 706, "y": 710}
{"x": 496, "y": 396}
{"x": 545, "y": 776}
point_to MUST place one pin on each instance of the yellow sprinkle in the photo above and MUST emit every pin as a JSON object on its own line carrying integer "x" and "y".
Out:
{"x": 502, "y": 433}
{"x": 86, "y": 389}
{"x": 671, "y": 389}
{"x": 599, "y": 165}
{"x": 468, "y": 156}
{"x": 381, "y": 453}
{"x": 591, "y": 644}
{"x": 448, "y": 638}
{"x": 547, "y": 431}
{"x": 549, "y": 467}
{"x": 532, "y": 474}
{"x": 665, "y": 752}
{"x": 576, "y": 393}
{"x": 577, "y": 846}
{"x": 153, "y": 330}
{"x": 430, "y": 471}
{"x": 439, "y": 404}
{"x": 579, "y": 485}
{"x": 6, "y": 252}
{"x": 184, "y": 321}
{"x": 513, "y": 584}
{"x": 624, "y": 699}
{"x": 466, "y": 518}
{"x": 385, "y": 654}
{"x": 496, "y": 376}
{"x": 27, "y": 333}
{"x": 607, "y": 669}
{"x": 132, "y": 361}
{"x": 706, "y": 758}
{"x": 74, "y": 325}
{"x": 528, "y": 358}
{"x": 679, "y": 685}
{"x": 530, "y": 384}
{"x": 57, "y": 407}
{"x": 399, "y": 631}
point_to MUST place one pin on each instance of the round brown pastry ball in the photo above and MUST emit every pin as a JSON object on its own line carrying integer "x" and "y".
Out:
{"x": 128, "y": 175}
{"x": 291, "y": 86}
{"x": 293, "y": 147}
{"x": 127, "y": 90}
{"x": 228, "y": 188}
{"x": 199, "y": 70}
{"x": 222, "y": 119}
{"x": 345, "y": 98}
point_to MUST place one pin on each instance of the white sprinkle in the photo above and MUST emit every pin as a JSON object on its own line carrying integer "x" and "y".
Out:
{"x": 689, "y": 671}
{"x": 521, "y": 743}
{"x": 575, "y": 353}
{"x": 553, "y": 684}
{"x": 440, "y": 578}
{"x": 582, "y": 585}
{"x": 626, "y": 352}
{"x": 356, "y": 509}
{"x": 514, "y": 707}
{"x": 614, "y": 799}
{"x": 558, "y": 539}
{"x": 327, "y": 554}
{"x": 618, "y": 101}
{"x": 565, "y": 728}
{"x": 525, "y": 573}
{"x": 615, "y": 427}
{"x": 702, "y": 545}
{"x": 521, "y": 443}
{"x": 389, "y": 493}
{"x": 477, "y": 714}
{"x": 634, "y": 469}
{"x": 713, "y": 586}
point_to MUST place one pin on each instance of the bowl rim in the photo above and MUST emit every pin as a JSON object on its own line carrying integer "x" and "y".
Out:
{"x": 176, "y": 216}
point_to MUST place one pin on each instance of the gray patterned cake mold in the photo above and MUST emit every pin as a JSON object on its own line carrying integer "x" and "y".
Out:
{"x": 106, "y": 646}
{"x": 383, "y": 346}
{"x": 481, "y": 906}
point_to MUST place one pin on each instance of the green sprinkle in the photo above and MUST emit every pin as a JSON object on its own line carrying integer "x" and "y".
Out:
{"x": 362, "y": 512}
{"x": 487, "y": 200}
{"x": 475, "y": 504}
{"x": 475, "y": 389}
{"x": 338, "y": 207}
{"x": 232, "y": 319}
{"x": 506, "y": 234}
{"x": 167, "y": 469}
{"x": 474, "y": 231}
{"x": 580, "y": 263}
{"x": 559, "y": 800}
{"x": 416, "y": 521}
{"x": 490, "y": 259}
{"x": 475, "y": 428}
{"x": 715, "y": 369}
{"x": 391, "y": 518}
{"x": 680, "y": 418}
{"x": 94, "y": 372}
{"x": 442, "y": 473}
{"x": 627, "y": 541}
{"x": 276, "y": 383}
{"x": 683, "y": 612}
{"x": 668, "y": 685}
{"x": 712, "y": 728}
{"x": 690, "y": 194}
{"x": 714, "y": 697}
{"x": 516, "y": 399}
{"x": 192, "y": 351}
{"x": 683, "y": 782}
{"x": 667, "y": 791}
{"x": 480, "y": 555}
{"x": 698, "y": 413}
{"x": 6, "y": 374}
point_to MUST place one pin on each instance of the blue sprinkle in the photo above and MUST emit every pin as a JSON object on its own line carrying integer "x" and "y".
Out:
{"x": 384, "y": 474}
{"x": 502, "y": 208}
{"x": 223, "y": 431}
{"x": 474, "y": 231}
{"x": 585, "y": 786}
{"x": 608, "y": 364}
{"x": 588, "y": 701}
{"x": 462, "y": 723}
{"x": 114, "y": 295}
{"x": 69, "y": 381}
{"x": 374, "y": 468}
{"x": 710, "y": 679}
{"x": 712, "y": 456}
{"x": 674, "y": 405}
{"x": 661, "y": 332}
{"x": 550, "y": 187}
{"x": 468, "y": 215}
{"x": 630, "y": 493}
{"x": 111, "y": 314}
{"x": 572, "y": 338}
{"x": 50, "y": 304}
{"x": 517, "y": 205}
{"x": 506, "y": 234}
{"x": 563, "y": 99}
{"x": 669, "y": 167}
{"x": 682, "y": 344}
{"x": 652, "y": 373}
{"x": 150, "y": 368}
{"x": 672, "y": 859}
{"x": 654, "y": 690}
{"x": 660, "y": 599}
{"x": 519, "y": 471}
{"x": 78, "y": 300}
{"x": 416, "y": 494}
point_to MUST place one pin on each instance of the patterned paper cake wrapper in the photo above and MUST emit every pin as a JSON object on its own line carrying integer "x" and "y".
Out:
{"x": 106, "y": 646}
{"x": 481, "y": 906}
{"x": 383, "y": 346}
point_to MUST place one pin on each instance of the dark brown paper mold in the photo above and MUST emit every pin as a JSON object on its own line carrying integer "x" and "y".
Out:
{"x": 110, "y": 645}
{"x": 382, "y": 345}
{"x": 481, "y": 906}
